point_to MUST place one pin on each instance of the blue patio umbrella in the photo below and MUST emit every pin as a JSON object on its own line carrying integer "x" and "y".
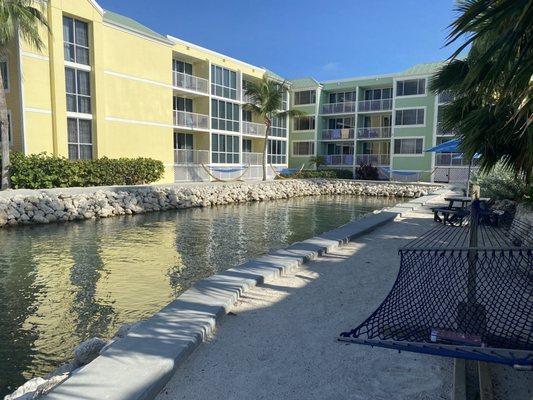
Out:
{"x": 452, "y": 146}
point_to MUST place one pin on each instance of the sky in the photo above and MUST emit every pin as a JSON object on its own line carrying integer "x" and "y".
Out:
{"x": 324, "y": 39}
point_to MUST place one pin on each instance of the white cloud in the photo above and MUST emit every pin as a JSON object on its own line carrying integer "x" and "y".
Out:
{"x": 331, "y": 66}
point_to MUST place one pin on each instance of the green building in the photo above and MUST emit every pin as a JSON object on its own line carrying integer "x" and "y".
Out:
{"x": 384, "y": 120}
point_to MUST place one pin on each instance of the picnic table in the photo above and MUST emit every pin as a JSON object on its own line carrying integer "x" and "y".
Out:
{"x": 455, "y": 215}
{"x": 463, "y": 200}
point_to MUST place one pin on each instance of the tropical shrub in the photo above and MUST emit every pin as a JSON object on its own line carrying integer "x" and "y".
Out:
{"x": 501, "y": 183}
{"x": 43, "y": 171}
{"x": 367, "y": 172}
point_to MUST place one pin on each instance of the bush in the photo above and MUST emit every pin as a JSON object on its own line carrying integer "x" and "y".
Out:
{"x": 43, "y": 171}
{"x": 501, "y": 183}
{"x": 367, "y": 172}
{"x": 323, "y": 173}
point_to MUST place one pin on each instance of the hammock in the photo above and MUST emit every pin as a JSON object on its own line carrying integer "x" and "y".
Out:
{"x": 286, "y": 171}
{"x": 227, "y": 170}
{"x": 462, "y": 292}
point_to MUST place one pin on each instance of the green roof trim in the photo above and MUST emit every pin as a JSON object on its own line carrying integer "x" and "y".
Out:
{"x": 304, "y": 83}
{"x": 132, "y": 25}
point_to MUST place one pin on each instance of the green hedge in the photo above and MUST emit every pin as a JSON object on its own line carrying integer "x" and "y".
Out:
{"x": 325, "y": 173}
{"x": 43, "y": 171}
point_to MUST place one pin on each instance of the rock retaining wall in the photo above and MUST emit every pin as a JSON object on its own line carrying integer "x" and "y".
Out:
{"x": 41, "y": 207}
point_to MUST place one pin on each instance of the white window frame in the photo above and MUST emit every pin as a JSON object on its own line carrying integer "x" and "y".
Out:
{"x": 303, "y": 104}
{"x": 411, "y": 96}
{"x": 412, "y": 125}
{"x": 283, "y": 155}
{"x": 213, "y": 83}
{"x": 422, "y": 154}
{"x": 225, "y": 152}
{"x": 88, "y": 48}
{"x": 237, "y": 117}
{"x": 76, "y": 95}
{"x": 78, "y": 144}
{"x": 4, "y": 59}
{"x": 303, "y": 141}
{"x": 303, "y": 130}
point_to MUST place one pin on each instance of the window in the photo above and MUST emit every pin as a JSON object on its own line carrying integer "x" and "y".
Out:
{"x": 276, "y": 152}
{"x": 224, "y": 149}
{"x": 304, "y": 123}
{"x": 413, "y": 116}
{"x": 303, "y": 148}
{"x": 411, "y": 87}
{"x": 78, "y": 90}
{"x": 279, "y": 126}
{"x": 341, "y": 97}
{"x": 341, "y": 123}
{"x": 182, "y": 104}
{"x": 223, "y": 82}
{"x": 183, "y": 141}
{"x": 76, "y": 40}
{"x": 246, "y": 145}
{"x": 408, "y": 146}
{"x": 181, "y": 66}
{"x": 378, "y": 94}
{"x": 80, "y": 142}
{"x": 4, "y": 71}
{"x": 247, "y": 115}
{"x": 224, "y": 116}
{"x": 305, "y": 97}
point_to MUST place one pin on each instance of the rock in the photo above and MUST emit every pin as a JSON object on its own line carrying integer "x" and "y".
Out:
{"x": 26, "y": 391}
{"x": 88, "y": 350}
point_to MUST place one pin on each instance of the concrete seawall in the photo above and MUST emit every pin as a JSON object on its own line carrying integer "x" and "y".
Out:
{"x": 19, "y": 207}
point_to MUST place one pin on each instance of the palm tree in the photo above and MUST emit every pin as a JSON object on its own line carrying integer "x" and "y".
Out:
{"x": 492, "y": 88}
{"x": 17, "y": 17}
{"x": 266, "y": 101}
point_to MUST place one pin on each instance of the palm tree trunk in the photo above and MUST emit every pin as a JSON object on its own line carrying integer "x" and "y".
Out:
{"x": 267, "y": 134}
{"x": 4, "y": 140}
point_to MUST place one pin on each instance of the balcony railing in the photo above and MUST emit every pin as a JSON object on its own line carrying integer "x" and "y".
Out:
{"x": 374, "y": 159}
{"x": 374, "y": 133}
{"x": 184, "y": 119}
{"x": 191, "y": 82}
{"x": 252, "y": 158}
{"x": 338, "y": 134}
{"x": 338, "y": 159}
{"x": 442, "y": 132}
{"x": 186, "y": 156}
{"x": 375, "y": 105}
{"x": 254, "y": 129}
{"x": 339, "y": 108}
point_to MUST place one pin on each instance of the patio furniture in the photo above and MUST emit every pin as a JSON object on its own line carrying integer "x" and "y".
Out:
{"x": 462, "y": 292}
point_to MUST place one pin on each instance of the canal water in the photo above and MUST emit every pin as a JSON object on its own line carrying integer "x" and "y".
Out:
{"x": 63, "y": 283}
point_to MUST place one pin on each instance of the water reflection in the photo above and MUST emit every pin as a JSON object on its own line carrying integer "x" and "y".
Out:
{"x": 63, "y": 283}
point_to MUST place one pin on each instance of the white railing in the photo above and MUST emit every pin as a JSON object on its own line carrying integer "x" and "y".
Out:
{"x": 339, "y": 108}
{"x": 442, "y": 132}
{"x": 374, "y": 133}
{"x": 254, "y": 129}
{"x": 338, "y": 134}
{"x": 187, "y": 156}
{"x": 184, "y": 119}
{"x": 191, "y": 82}
{"x": 375, "y": 105}
{"x": 338, "y": 159}
{"x": 252, "y": 158}
{"x": 374, "y": 159}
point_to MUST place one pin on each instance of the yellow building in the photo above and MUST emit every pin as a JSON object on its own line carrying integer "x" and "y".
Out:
{"x": 106, "y": 85}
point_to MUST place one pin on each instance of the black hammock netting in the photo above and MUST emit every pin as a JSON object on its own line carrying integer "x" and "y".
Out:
{"x": 457, "y": 300}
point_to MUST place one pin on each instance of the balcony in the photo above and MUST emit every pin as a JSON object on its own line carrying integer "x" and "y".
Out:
{"x": 383, "y": 132}
{"x": 450, "y": 160}
{"x": 338, "y": 159}
{"x": 188, "y": 120}
{"x": 338, "y": 134}
{"x": 186, "y": 156}
{"x": 374, "y": 105}
{"x": 442, "y": 132}
{"x": 252, "y": 158}
{"x": 253, "y": 129}
{"x": 374, "y": 159}
{"x": 190, "y": 82}
{"x": 347, "y": 107}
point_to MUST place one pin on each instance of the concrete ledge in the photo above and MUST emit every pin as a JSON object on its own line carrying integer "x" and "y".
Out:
{"x": 138, "y": 366}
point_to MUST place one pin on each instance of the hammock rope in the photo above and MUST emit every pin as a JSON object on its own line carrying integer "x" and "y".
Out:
{"x": 208, "y": 169}
{"x": 453, "y": 299}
